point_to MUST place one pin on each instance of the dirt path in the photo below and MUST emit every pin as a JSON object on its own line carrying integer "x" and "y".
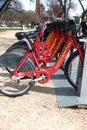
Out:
{"x": 38, "y": 109}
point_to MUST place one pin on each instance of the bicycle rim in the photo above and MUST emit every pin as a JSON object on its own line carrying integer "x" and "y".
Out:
{"x": 11, "y": 87}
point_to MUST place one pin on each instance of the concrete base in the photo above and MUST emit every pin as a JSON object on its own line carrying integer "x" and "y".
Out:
{"x": 65, "y": 93}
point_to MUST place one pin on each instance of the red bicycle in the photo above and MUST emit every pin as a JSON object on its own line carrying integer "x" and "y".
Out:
{"x": 27, "y": 70}
{"x": 50, "y": 48}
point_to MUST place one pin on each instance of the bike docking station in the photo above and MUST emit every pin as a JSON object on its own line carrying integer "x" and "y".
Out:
{"x": 66, "y": 94}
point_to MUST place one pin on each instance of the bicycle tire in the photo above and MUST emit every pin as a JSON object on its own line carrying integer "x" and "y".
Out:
{"x": 15, "y": 88}
{"x": 73, "y": 67}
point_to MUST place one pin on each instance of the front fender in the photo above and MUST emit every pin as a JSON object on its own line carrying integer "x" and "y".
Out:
{"x": 13, "y": 59}
{"x": 10, "y": 59}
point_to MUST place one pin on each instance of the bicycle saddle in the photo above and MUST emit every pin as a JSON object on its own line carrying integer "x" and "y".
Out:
{"x": 22, "y": 35}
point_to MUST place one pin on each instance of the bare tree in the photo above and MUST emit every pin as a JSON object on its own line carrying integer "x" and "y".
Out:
{"x": 81, "y": 5}
{"x": 63, "y": 6}
{"x": 16, "y": 5}
{"x": 12, "y": 6}
{"x": 3, "y": 7}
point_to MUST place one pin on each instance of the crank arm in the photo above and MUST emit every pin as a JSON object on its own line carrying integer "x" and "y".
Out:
{"x": 37, "y": 79}
{"x": 16, "y": 78}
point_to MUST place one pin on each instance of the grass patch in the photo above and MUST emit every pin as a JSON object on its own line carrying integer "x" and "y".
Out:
{"x": 3, "y": 29}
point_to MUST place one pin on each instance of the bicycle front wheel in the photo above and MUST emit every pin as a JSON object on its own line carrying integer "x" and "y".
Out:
{"x": 73, "y": 69}
{"x": 15, "y": 87}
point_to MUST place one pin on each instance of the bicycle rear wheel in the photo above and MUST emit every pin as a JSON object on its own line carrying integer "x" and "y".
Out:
{"x": 73, "y": 69}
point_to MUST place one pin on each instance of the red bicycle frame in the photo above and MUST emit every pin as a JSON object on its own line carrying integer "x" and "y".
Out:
{"x": 71, "y": 43}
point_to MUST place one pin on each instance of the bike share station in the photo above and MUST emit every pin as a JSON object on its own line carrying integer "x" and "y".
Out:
{"x": 66, "y": 94}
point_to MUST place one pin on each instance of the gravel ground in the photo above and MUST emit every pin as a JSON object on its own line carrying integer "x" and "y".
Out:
{"x": 38, "y": 109}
